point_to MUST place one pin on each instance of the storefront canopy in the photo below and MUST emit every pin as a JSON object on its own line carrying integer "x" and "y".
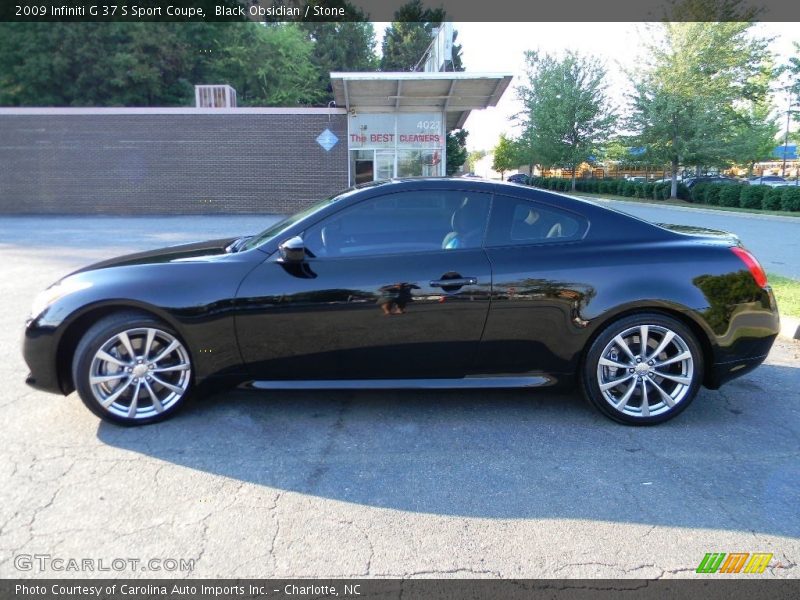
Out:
{"x": 453, "y": 93}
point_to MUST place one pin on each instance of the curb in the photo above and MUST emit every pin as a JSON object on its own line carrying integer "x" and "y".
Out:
{"x": 790, "y": 328}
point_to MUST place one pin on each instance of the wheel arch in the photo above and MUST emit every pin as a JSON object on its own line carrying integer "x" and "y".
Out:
{"x": 680, "y": 314}
{"x": 80, "y": 324}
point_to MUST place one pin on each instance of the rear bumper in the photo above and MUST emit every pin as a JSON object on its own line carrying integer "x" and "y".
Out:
{"x": 721, "y": 373}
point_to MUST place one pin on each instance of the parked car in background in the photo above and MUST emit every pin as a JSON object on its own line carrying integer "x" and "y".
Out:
{"x": 519, "y": 178}
{"x": 719, "y": 179}
{"x": 770, "y": 180}
{"x": 420, "y": 283}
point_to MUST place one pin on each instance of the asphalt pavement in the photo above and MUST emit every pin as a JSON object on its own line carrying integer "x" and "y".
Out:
{"x": 507, "y": 483}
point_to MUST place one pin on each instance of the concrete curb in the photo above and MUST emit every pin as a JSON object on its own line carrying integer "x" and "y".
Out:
{"x": 790, "y": 328}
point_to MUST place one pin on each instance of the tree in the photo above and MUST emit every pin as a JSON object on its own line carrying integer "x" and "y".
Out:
{"x": 408, "y": 37}
{"x": 154, "y": 64}
{"x": 473, "y": 157}
{"x": 504, "y": 158}
{"x": 567, "y": 112}
{"x": 268, "y": 65}
{"x": 341, "y": 45}
{"x": 456, "y": 151}
{"x": 684, "y": 107}
{"x": 754, "y": 136}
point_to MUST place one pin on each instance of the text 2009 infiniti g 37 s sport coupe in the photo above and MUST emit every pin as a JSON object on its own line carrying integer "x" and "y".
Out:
{"x": 434, "y": 283}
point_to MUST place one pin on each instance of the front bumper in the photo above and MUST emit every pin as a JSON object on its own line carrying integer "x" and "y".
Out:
{"x": 39, "y": 349}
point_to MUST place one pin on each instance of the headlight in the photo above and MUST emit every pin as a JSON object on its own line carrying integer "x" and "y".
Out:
{"x": 54, "y": 292}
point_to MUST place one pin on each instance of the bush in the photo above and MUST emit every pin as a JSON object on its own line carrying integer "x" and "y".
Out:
{"x": 772, "y": 199}
{"x": 790, "y": 199}
{"x": 698, "y": 193}
{"x": 683, "y": 191}
{"x": 752, "y": 196}
{"x": 712, "y": 194}
{"x": 647, "y": 190}
{"x": 729, "y": 195}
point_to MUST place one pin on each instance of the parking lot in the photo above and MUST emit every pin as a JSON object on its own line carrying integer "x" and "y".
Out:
{"x": 508, "y": 483}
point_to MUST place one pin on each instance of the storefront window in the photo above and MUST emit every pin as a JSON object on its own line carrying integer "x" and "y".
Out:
{"x": 383, "y": 146}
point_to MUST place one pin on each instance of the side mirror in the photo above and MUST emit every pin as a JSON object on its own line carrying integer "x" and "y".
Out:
{"x": 293, "y": 250}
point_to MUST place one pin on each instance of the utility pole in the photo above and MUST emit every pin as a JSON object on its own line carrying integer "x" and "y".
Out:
{"x": 786, "y": 135}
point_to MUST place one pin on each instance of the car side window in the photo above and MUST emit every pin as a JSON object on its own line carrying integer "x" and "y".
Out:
{"x": 433, "y": 220}
{"x": 518, "y": 222}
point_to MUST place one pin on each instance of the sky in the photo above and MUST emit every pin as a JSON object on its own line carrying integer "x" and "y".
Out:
{"x": 500, "y": 48}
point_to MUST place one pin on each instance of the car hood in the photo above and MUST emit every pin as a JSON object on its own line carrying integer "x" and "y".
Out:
{"x": 182, "y": 252}
{"x": 702, "y": 232}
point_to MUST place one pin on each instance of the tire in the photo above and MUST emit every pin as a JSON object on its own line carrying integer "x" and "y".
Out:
{"x": 614, "y": 375}
{"x": 149, "y": 385}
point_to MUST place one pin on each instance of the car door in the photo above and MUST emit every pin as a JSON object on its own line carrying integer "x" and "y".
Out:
{"x": 536, "y": 252}
{"x": 392, "y": 287}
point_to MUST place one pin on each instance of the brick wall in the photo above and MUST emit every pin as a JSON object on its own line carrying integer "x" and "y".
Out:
{"x": 78, "y": 162}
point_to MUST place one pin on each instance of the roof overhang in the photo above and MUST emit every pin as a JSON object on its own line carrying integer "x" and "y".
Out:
{"x": 453, "y": 93}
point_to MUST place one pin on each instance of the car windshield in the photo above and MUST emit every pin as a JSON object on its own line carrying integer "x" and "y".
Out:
{"x": 281, "y": 226}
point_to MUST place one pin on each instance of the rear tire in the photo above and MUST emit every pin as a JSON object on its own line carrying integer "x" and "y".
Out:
{"x": 643, "y": 384}
{"x": 132, "y": 369}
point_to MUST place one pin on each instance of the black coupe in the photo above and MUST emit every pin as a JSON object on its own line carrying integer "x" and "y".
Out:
{"x": 427, "y": 283}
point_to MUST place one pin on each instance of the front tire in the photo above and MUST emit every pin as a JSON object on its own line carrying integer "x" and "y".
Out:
{"x": 132, "y": 369}
{"x": 643, "y": 369}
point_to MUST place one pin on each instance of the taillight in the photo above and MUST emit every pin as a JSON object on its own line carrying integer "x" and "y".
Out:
{"x": 753, "y": 265}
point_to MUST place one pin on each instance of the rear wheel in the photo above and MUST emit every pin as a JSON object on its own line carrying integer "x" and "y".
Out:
{"x": 132, "y": 369}
{"x": 643, "y": 369}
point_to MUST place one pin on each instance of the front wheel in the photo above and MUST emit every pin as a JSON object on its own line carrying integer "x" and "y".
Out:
{"x": 643, "y": 369}
{"x": 132, "y": 369}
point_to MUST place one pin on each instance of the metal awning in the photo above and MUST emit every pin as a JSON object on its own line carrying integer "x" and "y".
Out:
{"x": 454, "y": 93}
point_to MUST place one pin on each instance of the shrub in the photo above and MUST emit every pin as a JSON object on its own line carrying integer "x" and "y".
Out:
{"x": 647, "y": 190}
{"x": 698, "y": 193}
{"x": 772, "y": 199}
{"x": 683, "y": 191}
{"x": 752, "y": 196}
{"x": 628, "y": 189}
{"x": 729, "y": 195}
{"x": 712, "y": 194}
{"x": 790, "y": 199}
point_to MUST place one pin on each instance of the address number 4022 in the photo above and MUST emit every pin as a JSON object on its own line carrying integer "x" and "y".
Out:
{"x": 429, "y": 124}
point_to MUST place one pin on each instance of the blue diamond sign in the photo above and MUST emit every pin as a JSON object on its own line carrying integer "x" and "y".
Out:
{"x": 327, "y": 139}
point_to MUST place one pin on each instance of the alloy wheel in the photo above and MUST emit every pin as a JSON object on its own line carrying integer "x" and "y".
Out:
{"x": 140, "y": 373}
{"x": 645, "y": 371}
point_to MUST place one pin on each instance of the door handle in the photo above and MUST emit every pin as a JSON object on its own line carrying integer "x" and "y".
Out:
{"x": 454, "y": 283}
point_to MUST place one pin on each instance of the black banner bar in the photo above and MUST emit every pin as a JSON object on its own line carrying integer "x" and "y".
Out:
{"x": 383, "y": 10}
{"x": 708, "y": 588}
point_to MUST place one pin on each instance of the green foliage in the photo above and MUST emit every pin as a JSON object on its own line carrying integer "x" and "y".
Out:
{"x": 752, "y": 196}
{"x": 729, "y": 195}
{"x": 566, "y": 116}
{"x": 474, "y": 157}
{"x": 155, "y": 64}
{"x": 772, "y": 199}
{"x": 712, "y": 194}
{"x": 790, "y": 199}
{"x": 408, "y": 37}
{"x": 689, "y": 102}
{"x": 268, "y": 65}
{"x": 456, "y": 150}
{"x": 698, "y": 193}
{"x": 341, "y": 46}
{"x": 504, "y": 157}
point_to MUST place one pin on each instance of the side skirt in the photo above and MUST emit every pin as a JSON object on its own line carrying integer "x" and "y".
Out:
{"x": 515, "y": 381}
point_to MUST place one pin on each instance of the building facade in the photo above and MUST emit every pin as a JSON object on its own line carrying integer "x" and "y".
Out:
{"x": 233, "y": 160}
